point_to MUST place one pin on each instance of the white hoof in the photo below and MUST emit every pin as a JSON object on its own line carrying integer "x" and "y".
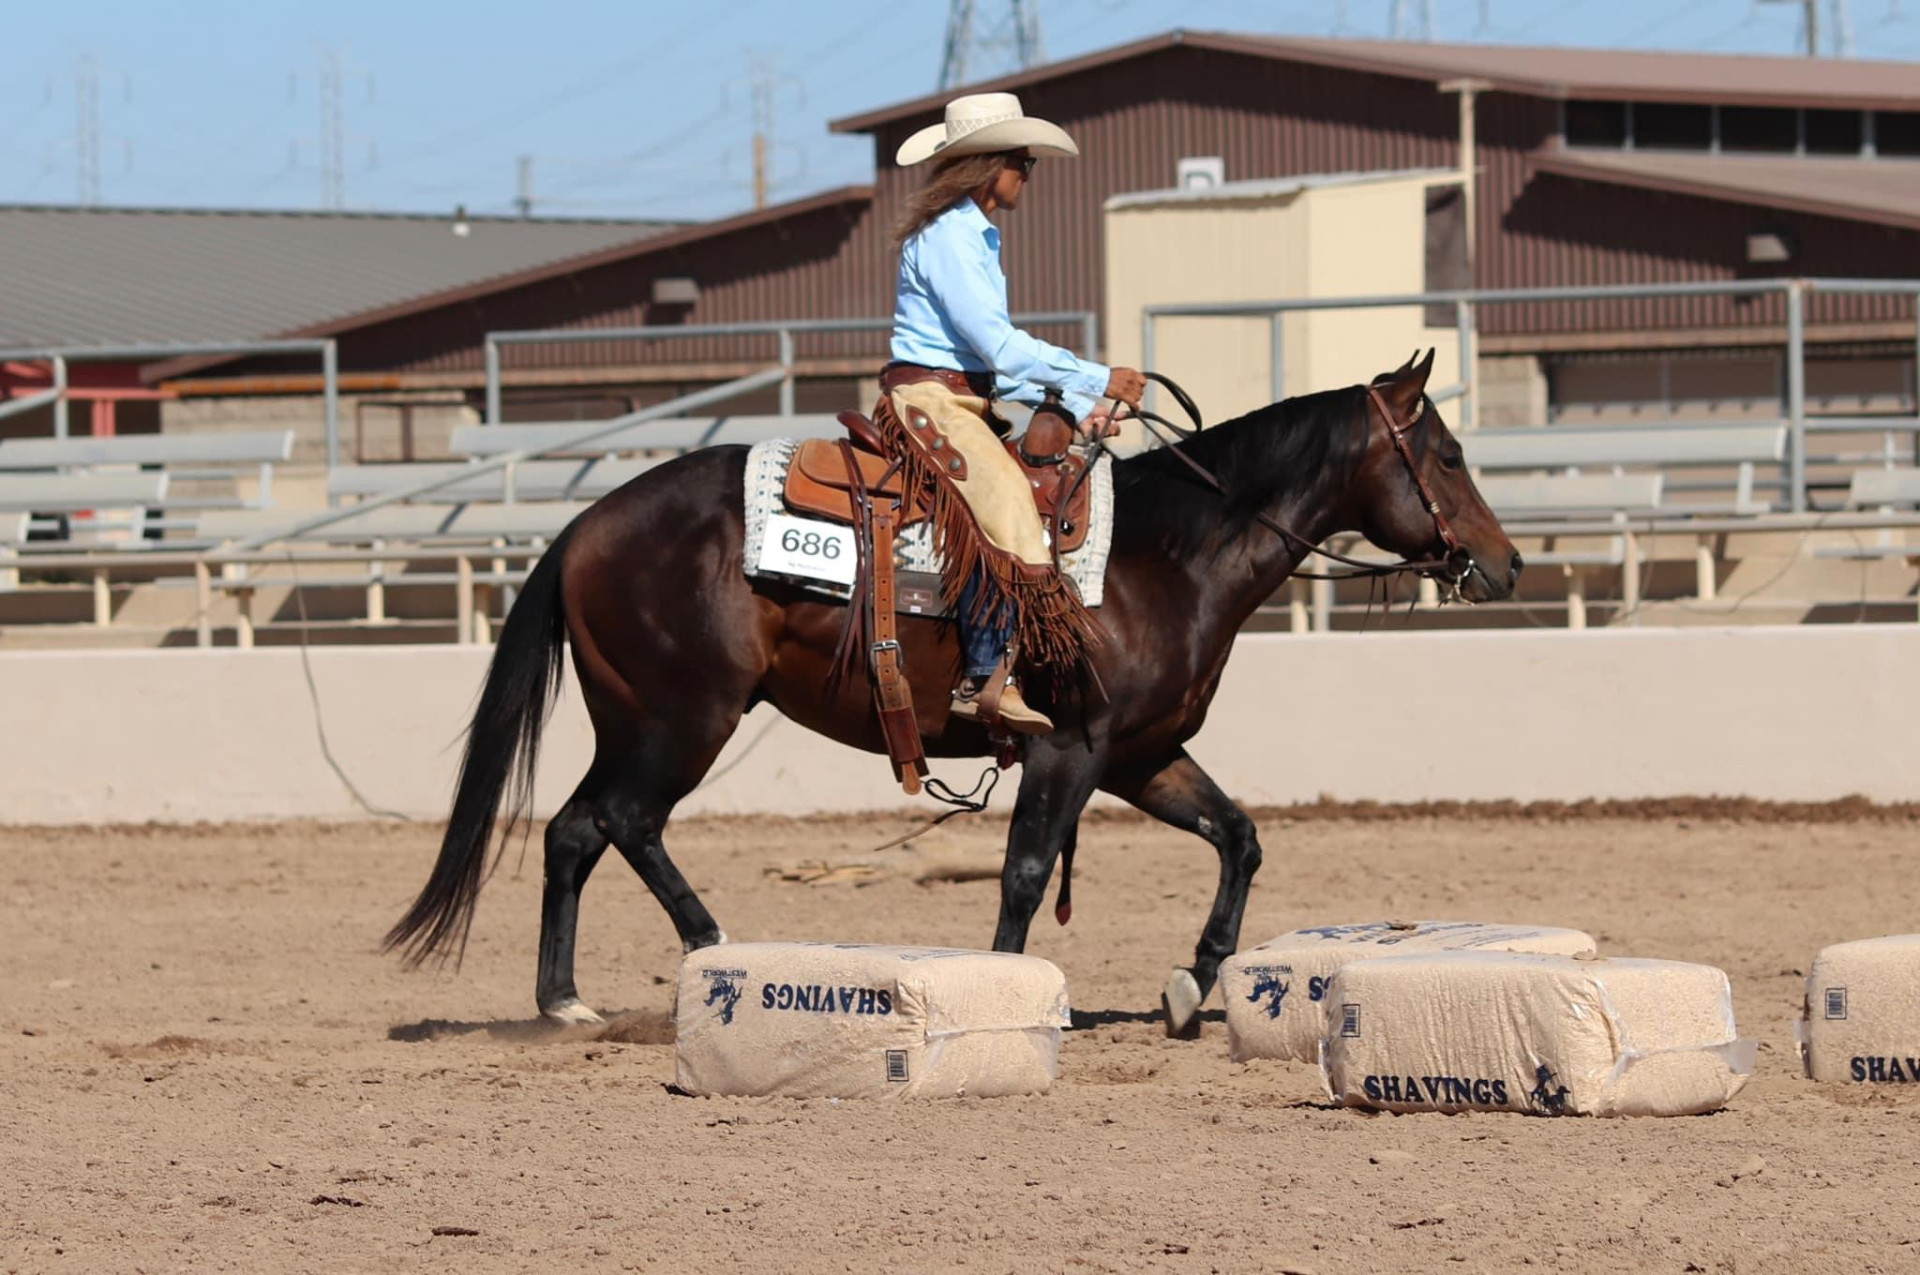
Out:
{"x": 1181, "y": 1001}
{"x": 574, "y": 1014}
{"x": 687, "y": 949}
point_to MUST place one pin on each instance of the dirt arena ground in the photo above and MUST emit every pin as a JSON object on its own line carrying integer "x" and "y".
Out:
{"x": 209, "y": 1067}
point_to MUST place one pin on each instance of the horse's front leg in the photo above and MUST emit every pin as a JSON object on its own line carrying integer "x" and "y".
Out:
{"x": 1181, "y": 794}
{"x": 1055, "y": 783}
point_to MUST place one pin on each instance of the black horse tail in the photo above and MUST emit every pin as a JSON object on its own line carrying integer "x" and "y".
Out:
{"x": 503, "y": 744}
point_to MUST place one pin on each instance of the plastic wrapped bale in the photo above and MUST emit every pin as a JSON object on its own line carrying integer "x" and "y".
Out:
{"x": 850, "y": 1020}
{"x": 1547, "y": 1035}
{"x": 1276, "y": 993}
{"x": 1862, "y": 1019}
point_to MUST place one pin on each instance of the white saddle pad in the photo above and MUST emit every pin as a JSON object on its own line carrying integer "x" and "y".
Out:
{"x": 819, "y": 555}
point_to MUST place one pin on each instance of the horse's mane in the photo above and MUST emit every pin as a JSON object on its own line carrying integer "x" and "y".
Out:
{"x": 1261, "y": 458}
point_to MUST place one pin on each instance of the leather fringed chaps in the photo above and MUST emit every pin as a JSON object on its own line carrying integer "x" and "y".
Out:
{"x": 1051, "y": 626}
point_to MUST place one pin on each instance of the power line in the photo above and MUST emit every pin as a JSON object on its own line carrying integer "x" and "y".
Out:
{"x": 592, "y": 83}
{"x": 1664, "y": 21}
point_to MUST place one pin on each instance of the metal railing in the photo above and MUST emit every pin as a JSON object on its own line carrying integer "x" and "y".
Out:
{"x": 235, "y": 561}
{"x": 484, "y": 572}
{"x": 1466, "y": 302}
{"x": 587, "y": 433}
{"x": 61, "y": 356}
{"x": 782, "y": 330}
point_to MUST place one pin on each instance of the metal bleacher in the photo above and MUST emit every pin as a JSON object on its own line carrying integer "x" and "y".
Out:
{"x": 1582, "y": 499}
{"x": 674, "y": 435}
{"x": 1662, "y": 449}
{"x": 129, "y": 485}
{"x": 530, "y": 481}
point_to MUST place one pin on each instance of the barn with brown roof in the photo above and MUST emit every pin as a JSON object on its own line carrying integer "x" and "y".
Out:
{"x": 1592, "y": 167}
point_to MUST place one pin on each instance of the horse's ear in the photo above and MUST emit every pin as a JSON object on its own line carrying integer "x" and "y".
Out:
{"x": 1408, "y": 384}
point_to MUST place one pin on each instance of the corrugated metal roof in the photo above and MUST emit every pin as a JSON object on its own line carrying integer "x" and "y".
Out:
{"x": 669, "y": 243}
{"x": 1618, "y": 74}
{"x": 1878, "y": 190}
{"x": 84, "y": 276}
{"x": 1628, "y": 74}
{"x": 1273, "y": 187}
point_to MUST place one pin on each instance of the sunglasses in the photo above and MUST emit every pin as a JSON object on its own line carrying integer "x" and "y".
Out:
{"x": 1024, "y": 163}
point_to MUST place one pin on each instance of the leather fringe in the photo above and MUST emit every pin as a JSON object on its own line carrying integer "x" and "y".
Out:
{"x": 1051, "y": 625}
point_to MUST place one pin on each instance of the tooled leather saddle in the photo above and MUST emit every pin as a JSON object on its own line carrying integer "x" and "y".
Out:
{"x": 852, "y": 481}
{"x": 820, "y": 486}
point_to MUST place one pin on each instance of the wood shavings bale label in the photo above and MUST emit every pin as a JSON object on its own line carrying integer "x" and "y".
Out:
{"x": 1545, "y": 1035}
{"x": 852, "y": 1020}
{"x": 1862, "y": 1015}
{"x": 1276, "y": 993}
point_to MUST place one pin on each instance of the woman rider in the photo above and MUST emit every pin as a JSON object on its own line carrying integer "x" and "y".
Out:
{"x": 954, "y": 351}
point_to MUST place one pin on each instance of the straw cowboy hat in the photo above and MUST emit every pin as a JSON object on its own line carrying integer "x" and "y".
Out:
{"x": 981, "y": 124}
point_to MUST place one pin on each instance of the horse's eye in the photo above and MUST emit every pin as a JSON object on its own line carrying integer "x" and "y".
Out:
{"x": 1452, "y": 461}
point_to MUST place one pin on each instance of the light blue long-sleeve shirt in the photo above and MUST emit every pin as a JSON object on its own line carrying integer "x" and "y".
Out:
{"x": 950, "y": 311}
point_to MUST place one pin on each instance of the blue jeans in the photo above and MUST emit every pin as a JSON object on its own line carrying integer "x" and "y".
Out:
{"x": 983, "y": 634}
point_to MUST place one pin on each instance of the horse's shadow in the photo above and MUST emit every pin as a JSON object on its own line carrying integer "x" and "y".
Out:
{"x": 1085, "y": 1019}
{"x": 631, "y": 1027}
{"x": 655, "y": 1027}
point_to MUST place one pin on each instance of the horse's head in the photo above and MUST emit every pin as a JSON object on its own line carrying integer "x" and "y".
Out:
{"x": 1391, "y": 509}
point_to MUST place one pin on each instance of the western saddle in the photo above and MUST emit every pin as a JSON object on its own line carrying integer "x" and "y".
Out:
{"x": 852, "y": 481}
{"x": 820, "y": 484}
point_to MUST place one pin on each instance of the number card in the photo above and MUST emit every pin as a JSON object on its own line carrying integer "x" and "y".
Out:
{"x": 814, "y": 550}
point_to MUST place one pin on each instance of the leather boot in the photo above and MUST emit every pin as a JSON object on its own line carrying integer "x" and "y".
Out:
{"x": 1012, "y": 712}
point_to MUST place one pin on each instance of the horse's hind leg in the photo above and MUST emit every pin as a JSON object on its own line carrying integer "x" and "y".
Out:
{"x": 573, "y": 846}
{"x": 1183, "y": 795}
{"x": 635, "y": 821}
{"x": 663, "y": 766}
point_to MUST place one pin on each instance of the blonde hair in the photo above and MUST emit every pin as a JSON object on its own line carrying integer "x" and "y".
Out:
{"x": 950, "y": 181}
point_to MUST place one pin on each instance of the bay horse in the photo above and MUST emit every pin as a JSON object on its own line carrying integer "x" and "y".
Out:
{"x": 673, "y": 643}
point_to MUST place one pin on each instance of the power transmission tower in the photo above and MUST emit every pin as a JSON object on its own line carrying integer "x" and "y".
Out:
{"x": 1017, "y": 35}
{"x": 765, "y": 85}
{"x": 1809, "y": 22}
{"x": 333, "y": 134}
{"x": 1842, "y": 29}
{"x": 523, "y": 187}
{"x": 330, "y": 81}
{"x": 89, "y": 139}
{"x": 86, "y": 132}
{"x": 1410, "y": 20}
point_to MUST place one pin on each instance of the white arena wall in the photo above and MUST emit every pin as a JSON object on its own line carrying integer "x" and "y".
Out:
{"x": 1780, "y": 713}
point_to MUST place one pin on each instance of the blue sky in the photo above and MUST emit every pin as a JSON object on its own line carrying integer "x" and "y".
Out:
{"x": 634, "y": 109}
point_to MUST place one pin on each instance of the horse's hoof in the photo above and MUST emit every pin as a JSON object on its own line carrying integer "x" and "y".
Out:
{"x": 573, "y": 1014}
{"x": 690, "y": 946}
{"x": 1181, "y": 1004}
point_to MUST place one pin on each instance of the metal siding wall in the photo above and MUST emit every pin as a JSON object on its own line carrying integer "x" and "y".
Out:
{"x": 815, "y": 265}
{"x": 1545, "y": 230}
{"x": 1133, "y": 121}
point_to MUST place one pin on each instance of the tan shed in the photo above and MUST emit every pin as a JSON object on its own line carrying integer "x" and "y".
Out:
{"x": 1294, "y": 238}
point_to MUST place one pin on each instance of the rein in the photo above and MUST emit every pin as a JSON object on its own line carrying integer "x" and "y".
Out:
{"x": 1453, "y": 567}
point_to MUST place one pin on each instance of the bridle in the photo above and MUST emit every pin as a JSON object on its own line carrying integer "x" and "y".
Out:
{"x": 1458, "y": 562}
{"x": 1451, "y": 569}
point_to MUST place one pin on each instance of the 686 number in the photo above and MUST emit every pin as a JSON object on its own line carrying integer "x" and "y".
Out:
{"x": 810, "y": 544}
